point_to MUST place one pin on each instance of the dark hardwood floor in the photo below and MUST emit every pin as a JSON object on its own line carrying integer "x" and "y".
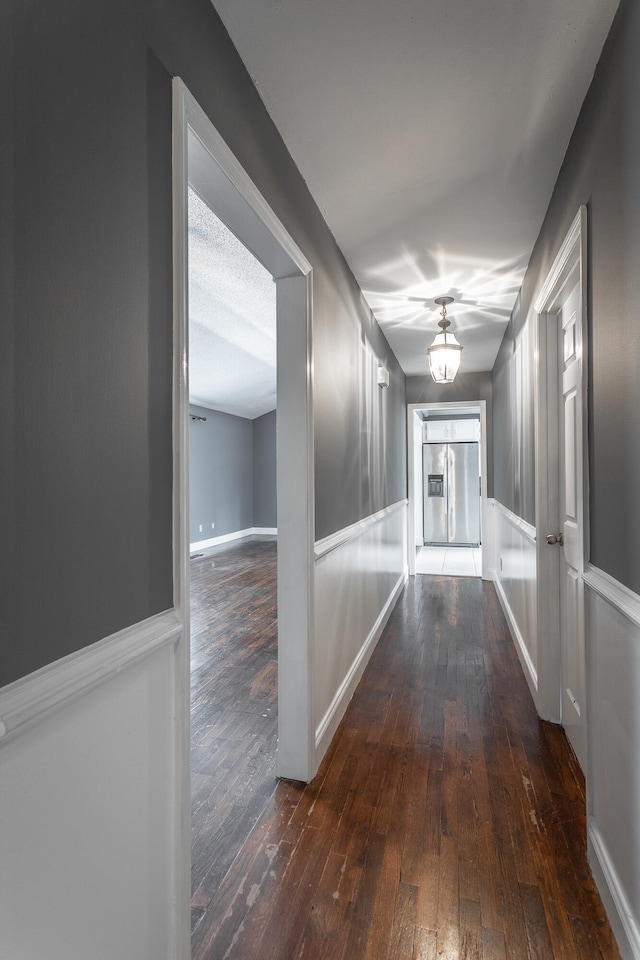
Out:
{"x": 233, "y": 705}
{"x": 446, "y": 821}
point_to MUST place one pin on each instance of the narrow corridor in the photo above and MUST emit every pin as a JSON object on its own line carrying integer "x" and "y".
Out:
{"x": 446, "y": 820}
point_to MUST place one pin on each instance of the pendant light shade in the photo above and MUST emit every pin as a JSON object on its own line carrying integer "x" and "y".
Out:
{"x": 444, "y": 352}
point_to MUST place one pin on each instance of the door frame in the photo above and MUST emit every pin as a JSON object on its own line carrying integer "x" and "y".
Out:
{"x": 250, "y": 217}
{"x": 415, "y": 489}
{"x": 571, "y": 257}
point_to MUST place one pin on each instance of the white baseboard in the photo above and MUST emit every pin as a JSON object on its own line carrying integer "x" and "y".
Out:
{"x": 329, "y": 723}
{"x": 236, "y": 535}
{"x": 617, "y": 906}
{"x": 530, "y": 671}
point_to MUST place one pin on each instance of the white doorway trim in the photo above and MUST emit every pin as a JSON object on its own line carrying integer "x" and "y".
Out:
{"x": 570, "y": 258}
{"x": 245, "y": 211}
{"x": 415, "y": 489}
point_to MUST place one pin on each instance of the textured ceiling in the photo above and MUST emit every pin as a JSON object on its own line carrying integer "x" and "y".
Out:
{"x": 232, "y": 320}
{"x": 430, "y": 133}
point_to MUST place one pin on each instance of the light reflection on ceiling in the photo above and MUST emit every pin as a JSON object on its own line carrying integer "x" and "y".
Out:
{"x": 483, "y": 292}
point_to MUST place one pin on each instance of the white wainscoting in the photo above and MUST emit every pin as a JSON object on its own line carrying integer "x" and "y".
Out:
{"x": 514, "y": 574}
{"x": 359, "y": 573}
{"x": 613, "y": 705}
{"x": 90, "y": 826}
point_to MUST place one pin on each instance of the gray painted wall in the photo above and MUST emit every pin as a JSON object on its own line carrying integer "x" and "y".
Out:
{"x": 360, "y": 433}
{"x": 86, "y": 306}
{"x": 602, "y": 170}
{"x": 232, "y": 473}
{"x": 265, "y": 504}
{"x": 220, "y": 474}
{"x": 465, "y": 388}
{"x": 513, "y": 421}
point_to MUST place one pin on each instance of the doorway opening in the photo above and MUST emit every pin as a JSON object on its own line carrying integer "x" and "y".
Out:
{"x": 232, "y": 532}
{"x": 447, "y": 496}
{"x": 202, "y": 158}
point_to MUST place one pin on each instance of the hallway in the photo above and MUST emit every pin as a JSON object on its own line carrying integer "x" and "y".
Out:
{"x": 446, "y": 820}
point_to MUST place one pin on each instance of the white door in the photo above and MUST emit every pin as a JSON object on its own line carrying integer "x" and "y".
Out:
{"x": 571, "y": 526}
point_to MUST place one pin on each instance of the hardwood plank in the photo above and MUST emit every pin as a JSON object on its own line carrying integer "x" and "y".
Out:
{"x": 428, "y": 892}
{"x": 448, "y": 917}
{"x": 278, "y": 933}
{"x": 415, "y": 814}
{"x": 489, "y": 871}
{"x": 404, "y": 923}
{"x": 493, "y": 945}
{"x": 425, "y": 944}
{"x": 365, "y": 902}
{"x": 393, "y": 902}
{"x": 327, "y": 923}
{"x": 587, "y": 941}
{"x": 468, "y": 853}
{"x": 540, "y": 947}
{"x": 470, "y": 930}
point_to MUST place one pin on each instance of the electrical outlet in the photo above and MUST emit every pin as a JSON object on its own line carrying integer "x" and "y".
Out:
{"x": 200, "y": 528}
{"x": 213, "y": 526}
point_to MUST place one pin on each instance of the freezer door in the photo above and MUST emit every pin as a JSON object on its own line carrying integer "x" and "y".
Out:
{"x": 464, "y": 493}
{"x": 434, "y": 472}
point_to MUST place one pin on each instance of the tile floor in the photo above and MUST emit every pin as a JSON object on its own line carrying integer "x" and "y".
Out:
{"x": 450, "y": 561}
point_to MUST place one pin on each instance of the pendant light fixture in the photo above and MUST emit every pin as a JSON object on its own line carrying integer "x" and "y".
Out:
{"x": 444, "y": 352}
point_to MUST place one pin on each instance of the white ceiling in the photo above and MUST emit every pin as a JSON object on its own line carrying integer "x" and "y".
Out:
{"x": 232, "y": 320}
{"x": 430, "y": 133}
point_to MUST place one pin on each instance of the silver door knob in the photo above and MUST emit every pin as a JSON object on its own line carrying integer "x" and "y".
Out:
{"x": 554, "y": 538}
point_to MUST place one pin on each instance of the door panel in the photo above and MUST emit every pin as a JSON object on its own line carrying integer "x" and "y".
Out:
{"x": 464, "y": 493}
{"x": 434, "y": 465}
{"x": 570, "y": 456}
{"x": 572, "y": 666}
{"x": 570, "y": 487}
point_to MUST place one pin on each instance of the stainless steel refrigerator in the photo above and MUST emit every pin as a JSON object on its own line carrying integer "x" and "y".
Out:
{"x": 451, "y": 473}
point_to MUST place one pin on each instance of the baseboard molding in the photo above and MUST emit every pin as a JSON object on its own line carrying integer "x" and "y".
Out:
{"x": 329, "y": 723}
{"x": 35, "y": 697}
{"x": 527, "y": 663}
{"x": 623, "y": 922}
{"x": 236, "y": 535}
